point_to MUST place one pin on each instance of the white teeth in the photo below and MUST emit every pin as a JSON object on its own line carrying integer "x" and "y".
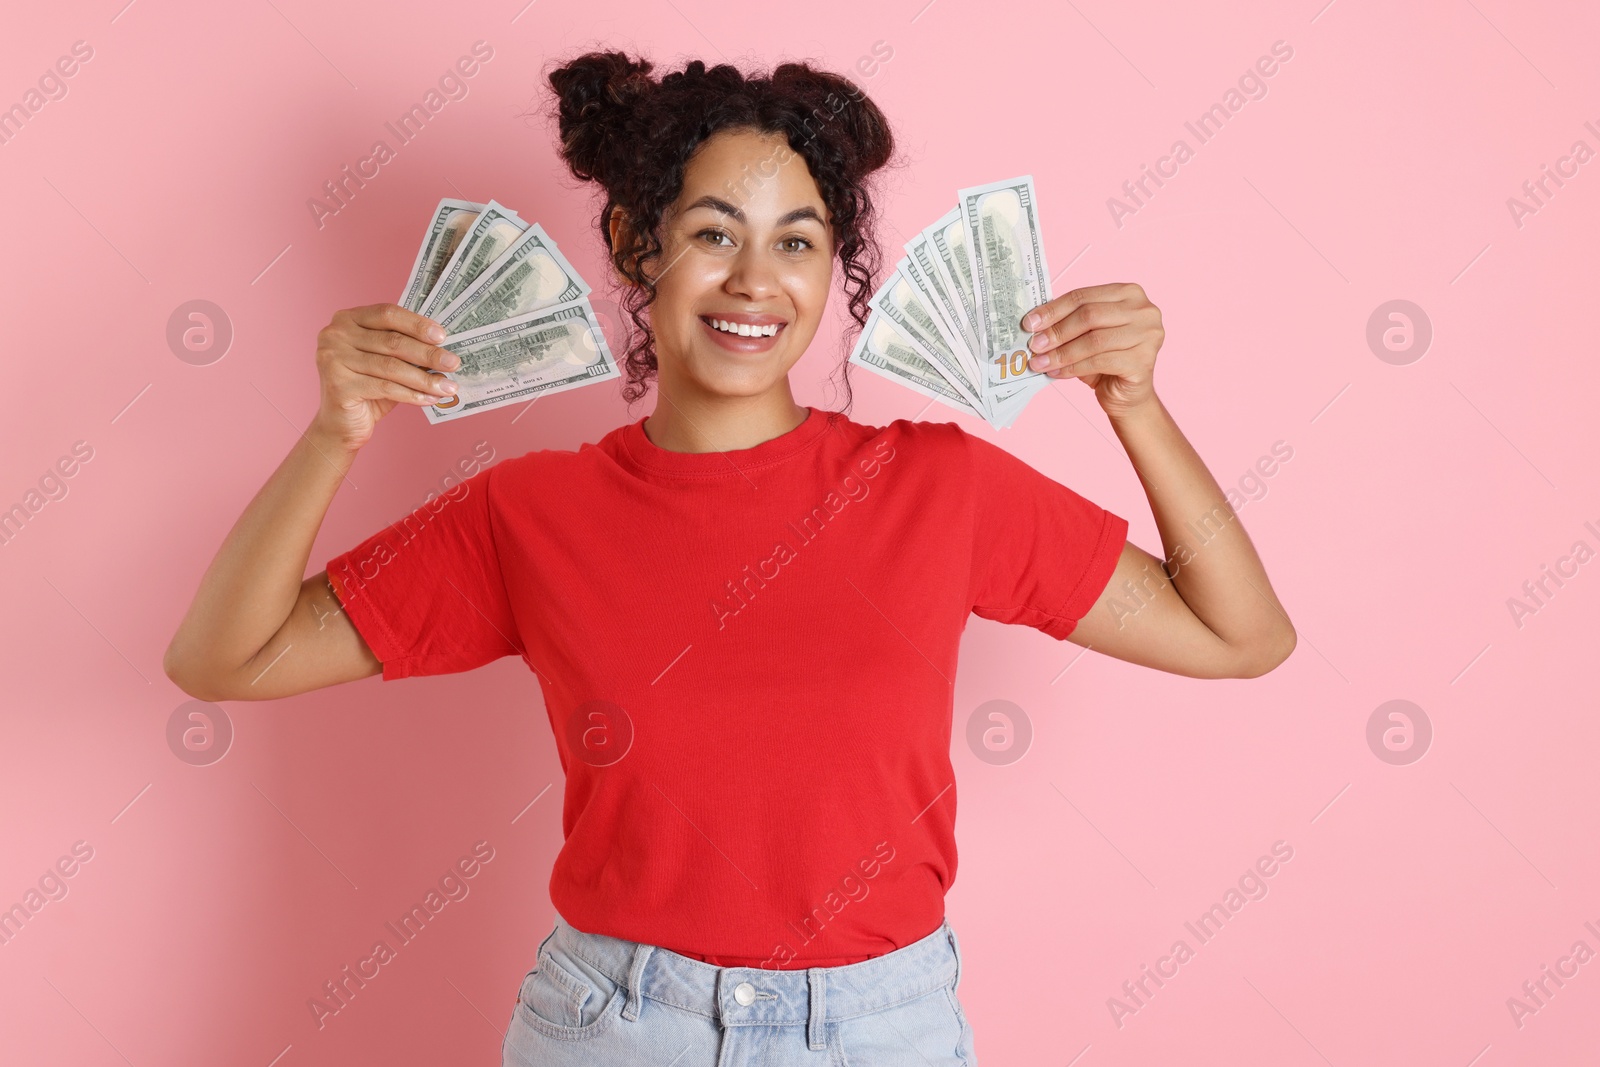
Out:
{"x": 744, "y": 329}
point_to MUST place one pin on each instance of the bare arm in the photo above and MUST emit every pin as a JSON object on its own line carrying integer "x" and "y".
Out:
{"x": 258, "y": 628}
{"x": 1207, "y": 609}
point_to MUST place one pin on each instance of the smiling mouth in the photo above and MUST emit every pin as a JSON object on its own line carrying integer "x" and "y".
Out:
{"x": 734, "y": 329}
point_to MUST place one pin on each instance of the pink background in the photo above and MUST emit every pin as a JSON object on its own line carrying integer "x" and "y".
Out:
{"x": 1418, "y": 500}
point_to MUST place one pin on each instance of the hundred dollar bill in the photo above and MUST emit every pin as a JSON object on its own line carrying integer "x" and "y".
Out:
{"x": 916, "y": 269}
{"x": 925, "y": 259}
{"x": 947, "y": 239}
{"x": 545, "y": 351}
{"x": 1005, "y": 246}
{"x": 882, "y": 349}
{"x": 491, "y": 234}
{"x": 531, "y": 274}
{"x": 450, "y": 222}
{"x": 899, "y": 302}
{"x": 1004, "y": 408}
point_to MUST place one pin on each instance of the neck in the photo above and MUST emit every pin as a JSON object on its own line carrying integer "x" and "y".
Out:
{"x": 702, "y": 422}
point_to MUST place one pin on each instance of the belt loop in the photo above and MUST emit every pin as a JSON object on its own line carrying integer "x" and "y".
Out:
{"x": 815, "y": 1033}
{"x": 641, "y": 953}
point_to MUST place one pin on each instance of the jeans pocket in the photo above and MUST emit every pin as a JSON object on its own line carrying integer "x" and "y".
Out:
{"x": 925, "y": 1031}
{"x": 964, "y": 1047}
{"x": 565, "y": 997}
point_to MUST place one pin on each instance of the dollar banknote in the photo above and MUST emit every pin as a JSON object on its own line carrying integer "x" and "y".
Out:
{"x": 924, "y": 262}
{"x": 491, "y": 233}
{"x": 947, "y": 241}
{"x": 449, "y": 224}
{"x": 545, "y": 351}
{"x": 1005, "y": 407}
{"x": 885, "y": 351}
{"x": 1005, "y": 247}
{"x": 947, "y": 321}
{"x": 529, "y": 275}
{"x": 513, "y": 307}
{"x": 928, "y": 288}
{"x": 899, "y": 301}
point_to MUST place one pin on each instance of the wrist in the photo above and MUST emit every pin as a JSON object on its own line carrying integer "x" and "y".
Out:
{"x": 1146, "y": 412}
{"x": 331, "y": 444}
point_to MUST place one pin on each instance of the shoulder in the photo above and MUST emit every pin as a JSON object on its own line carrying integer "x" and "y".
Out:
{"x": 947, "y": 458}
{"x": 932, "y": 461}
{"x": 920, "y": 441}
{"x": 543, "y": 462}
{"x": 520, "y": 482}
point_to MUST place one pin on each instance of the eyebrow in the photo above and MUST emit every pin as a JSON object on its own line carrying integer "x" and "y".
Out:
{"x": 718, "y": 204}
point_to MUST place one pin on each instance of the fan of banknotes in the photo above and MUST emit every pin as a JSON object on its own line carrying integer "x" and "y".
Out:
{"x": 948, "y": 321}
{"x": 512, "y": 307}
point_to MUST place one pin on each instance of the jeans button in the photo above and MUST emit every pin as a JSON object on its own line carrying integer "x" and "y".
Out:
{"x": 744, "y": 993}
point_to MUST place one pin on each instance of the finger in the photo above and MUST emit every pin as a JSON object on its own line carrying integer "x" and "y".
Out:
{"x": 1090, "y": 379}
{"x": 1104, "y": 363}
{"x": 1083, "y": 321}
{"x": 404, "y": 346}
{"x": 370, "y": 388}
{"x": 1053, "y": 311}
{"x": 1097, "y": 340}
{"x": 395, "y": 317}
{"x": 394, "y": 369}
{"x": 387, "y": 320}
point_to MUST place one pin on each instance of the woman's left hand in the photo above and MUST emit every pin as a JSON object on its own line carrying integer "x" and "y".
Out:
{"x": 1107, "y": 335}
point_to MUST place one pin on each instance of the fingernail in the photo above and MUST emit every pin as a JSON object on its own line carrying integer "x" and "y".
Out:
{"x": 448, "y": 387}
{"x": 452, "y": 362}
{"x": 1031, "y": 322}
{"x": 1039, "y": 362}
{"x": 1038, "y": 341}
{"x": 435, "y": 334}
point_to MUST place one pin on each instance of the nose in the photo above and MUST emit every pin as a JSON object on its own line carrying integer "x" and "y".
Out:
{"x": 752, "y": 275}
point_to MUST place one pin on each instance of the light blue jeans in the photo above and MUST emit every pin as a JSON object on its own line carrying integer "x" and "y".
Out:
{"x": 605, "y": 1002}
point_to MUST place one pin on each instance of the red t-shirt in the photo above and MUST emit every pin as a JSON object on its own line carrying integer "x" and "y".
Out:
{"x": 747, "y": 661}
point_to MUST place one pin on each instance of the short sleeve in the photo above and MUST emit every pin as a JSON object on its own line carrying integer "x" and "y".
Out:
{"x": 426, "y": 592}
{"x": 1041, "y": 553}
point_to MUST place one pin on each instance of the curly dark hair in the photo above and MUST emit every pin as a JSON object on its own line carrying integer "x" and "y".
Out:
{"x": 633, "y": 136}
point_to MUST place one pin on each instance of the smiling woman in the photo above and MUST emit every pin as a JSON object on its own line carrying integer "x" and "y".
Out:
{"x": 726, "y": 201}
{"x": 805, "y": 719}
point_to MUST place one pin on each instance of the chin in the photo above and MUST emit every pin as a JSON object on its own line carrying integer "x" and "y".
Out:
{"x": 735, "y": 385}
{"x": 716, "y": 378}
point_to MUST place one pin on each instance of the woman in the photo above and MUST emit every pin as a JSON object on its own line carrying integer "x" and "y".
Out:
{"x": 743, "y": 612}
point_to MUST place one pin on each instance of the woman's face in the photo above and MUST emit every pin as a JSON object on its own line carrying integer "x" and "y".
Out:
{"x": 747, "y": 242}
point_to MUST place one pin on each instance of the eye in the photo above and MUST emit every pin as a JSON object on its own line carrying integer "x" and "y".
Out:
{"x": 803, "y": 241}
{"x": 714, "y": 233}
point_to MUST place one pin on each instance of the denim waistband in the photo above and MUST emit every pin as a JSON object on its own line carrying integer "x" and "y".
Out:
{"x": 754, "y": 996}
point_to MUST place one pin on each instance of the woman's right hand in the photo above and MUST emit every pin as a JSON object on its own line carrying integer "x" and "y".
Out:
{"x": 370, "y": 359}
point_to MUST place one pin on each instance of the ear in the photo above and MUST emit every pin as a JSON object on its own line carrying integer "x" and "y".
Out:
{"x": 614, "y": 224}
{"x": 617, "y": 225}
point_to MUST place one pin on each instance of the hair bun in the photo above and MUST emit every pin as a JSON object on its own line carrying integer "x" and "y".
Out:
{"x": 868, "y": 143}
{"x": 596, "y": 95}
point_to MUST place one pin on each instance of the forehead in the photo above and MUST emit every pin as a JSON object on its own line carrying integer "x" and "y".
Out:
{"x": 759, "y": 173}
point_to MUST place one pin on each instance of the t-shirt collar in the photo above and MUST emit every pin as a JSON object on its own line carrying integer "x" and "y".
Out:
{"x": 647, "y": 455}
